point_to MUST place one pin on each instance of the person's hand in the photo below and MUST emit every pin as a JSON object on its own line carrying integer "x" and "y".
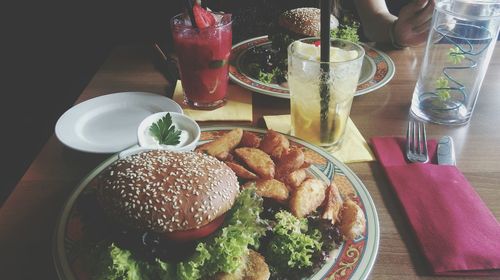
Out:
{"x": 413, "y": 24}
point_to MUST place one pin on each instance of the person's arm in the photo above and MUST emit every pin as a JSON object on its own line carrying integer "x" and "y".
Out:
{"x": 409, "y": 29}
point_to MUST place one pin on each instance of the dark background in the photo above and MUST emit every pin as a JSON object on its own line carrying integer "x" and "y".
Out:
{"x": 50, "y": 51}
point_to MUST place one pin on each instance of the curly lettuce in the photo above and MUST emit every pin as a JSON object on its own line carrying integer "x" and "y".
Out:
{"x": 223, "y": 252}
{"x": 113, "y": 263}
{"x": 347, "y": 32}
{"x": 292, "y": 244}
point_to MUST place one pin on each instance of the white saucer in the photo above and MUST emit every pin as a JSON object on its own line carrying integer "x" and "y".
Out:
{"x": 108, "y": 123}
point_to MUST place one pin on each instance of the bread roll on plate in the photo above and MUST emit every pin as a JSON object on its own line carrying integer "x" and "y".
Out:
{"x": 305, "y": 21}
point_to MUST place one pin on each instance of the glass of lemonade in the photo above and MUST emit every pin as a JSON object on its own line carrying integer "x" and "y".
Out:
{"x": 306, "y": 80}
{"x": 203, "y": 56}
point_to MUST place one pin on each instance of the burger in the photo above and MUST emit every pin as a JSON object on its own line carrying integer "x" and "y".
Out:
{"x": 161, "y": 212}
{"x": 178, "y": 196}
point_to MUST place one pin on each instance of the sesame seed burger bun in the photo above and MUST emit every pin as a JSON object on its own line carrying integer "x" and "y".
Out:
{"x": 304, "y": 21}
{"x": 164, "y": 191}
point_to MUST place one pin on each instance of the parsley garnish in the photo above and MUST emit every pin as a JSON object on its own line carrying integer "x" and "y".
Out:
{"x": 164, "y": 131}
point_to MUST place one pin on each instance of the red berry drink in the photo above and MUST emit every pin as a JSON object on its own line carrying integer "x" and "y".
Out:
{"x": 203, "y": 54}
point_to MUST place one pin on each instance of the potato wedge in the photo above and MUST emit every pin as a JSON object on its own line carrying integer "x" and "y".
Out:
{"x": 258, "y": 161}
{"x": 352, "y": 220}
{"x": 249, "y": 139}
{"x": 221, "y": 146}
{"x": 295, "y": 178}
{"x": 254, "y": 268}
{"x": 274, "y": 144}
{"x": 332, "y": 204}
{"x": 240, "y": 171}
{"x": 307, "y": 198}
{"x": 289, "y": 161}
{"x": 270, "y": 188}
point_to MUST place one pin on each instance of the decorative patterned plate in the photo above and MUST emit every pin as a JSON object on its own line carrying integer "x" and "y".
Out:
{"x": 354, "y": 259}
{"x": 377, "y": 70}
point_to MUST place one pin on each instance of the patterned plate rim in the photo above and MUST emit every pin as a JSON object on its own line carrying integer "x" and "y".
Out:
{"x": 243, "y": 80}
{"x": 361, "y": 270}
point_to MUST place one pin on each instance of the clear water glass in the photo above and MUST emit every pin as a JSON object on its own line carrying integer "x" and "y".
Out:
{"x": 459, "y": 48}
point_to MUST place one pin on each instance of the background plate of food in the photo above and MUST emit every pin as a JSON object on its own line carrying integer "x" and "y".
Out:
{"x": 247, "y": 58}
{"x": 246, "y": 203}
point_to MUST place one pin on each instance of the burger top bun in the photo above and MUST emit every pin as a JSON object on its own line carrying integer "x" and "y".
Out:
{"x": 305, "y": 21}
{"x": 164, "y": 191}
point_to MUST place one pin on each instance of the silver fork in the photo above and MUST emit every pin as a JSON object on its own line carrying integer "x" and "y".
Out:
{"x": 416, "y": 142}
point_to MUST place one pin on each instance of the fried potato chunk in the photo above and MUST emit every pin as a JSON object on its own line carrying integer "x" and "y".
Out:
{"x": 295, "y": 178}
{"x": 332, "y": 204}
{"x": 307, "y": 163}
{"x": 258, "y": 161}
{"x": 307, "y": 198}
{"x": 274, "y": 144}
{"x": 250, "y": 139}
{"x": 254, "y": 268}
{"x": 240, "y": 171}
{"x": 270, "y": 188}
{"x": 221, "y": 146}
{"x": 352, "y": 220}
{"x": 289, "y": 161}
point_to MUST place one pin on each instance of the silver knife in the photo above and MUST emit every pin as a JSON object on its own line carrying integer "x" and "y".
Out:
{"x": 446, "y": 151}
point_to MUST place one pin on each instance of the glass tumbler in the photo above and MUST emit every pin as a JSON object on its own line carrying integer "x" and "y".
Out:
{"x": 460, "y": 44}
{"x": 320, "y": 106}
{"x": 203, "y": 56}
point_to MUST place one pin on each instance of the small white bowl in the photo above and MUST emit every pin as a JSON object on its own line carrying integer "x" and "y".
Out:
{"x": 189, "y": 137}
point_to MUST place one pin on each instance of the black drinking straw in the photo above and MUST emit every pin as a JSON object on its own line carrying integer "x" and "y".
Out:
{"x": 189, "y": 7}
{"x": 325, "y": 67}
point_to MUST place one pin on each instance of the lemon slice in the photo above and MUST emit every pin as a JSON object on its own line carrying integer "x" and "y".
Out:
{"x": 313, "y": 52}
{"x": 308, "y": 51}
{"x": 340, "y": 55}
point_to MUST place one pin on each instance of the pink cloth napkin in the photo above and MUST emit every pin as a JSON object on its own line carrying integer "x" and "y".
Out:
{"x": 456, "y": 231}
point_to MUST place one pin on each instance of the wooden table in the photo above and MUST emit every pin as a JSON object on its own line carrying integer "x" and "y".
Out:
{"x": 28, "y": 217}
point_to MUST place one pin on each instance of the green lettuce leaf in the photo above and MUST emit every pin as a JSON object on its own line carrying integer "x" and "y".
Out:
{"x": 292, "y": 245}
{"x": 224, "y": 253}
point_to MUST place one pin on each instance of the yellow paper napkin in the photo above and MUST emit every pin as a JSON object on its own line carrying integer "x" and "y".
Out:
{"x": 238, "y": 106}
{"x": 354, "y": 147}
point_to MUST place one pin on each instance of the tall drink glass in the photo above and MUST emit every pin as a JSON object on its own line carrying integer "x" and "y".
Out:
{"x": 203, "y": 55}
{"x": 305, "y": 80}
{"x": 460, "y": 44}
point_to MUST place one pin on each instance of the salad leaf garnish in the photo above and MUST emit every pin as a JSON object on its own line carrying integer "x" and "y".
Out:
{"x": 242, "y": 229}
{"x": 292, "y": 244}
{"x": 165, "y": 132}
{"x": 348, "y": 32}
{"x": 222, "y": 252}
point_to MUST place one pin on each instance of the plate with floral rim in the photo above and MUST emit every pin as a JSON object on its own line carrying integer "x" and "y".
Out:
{"x": 353, "y": 259}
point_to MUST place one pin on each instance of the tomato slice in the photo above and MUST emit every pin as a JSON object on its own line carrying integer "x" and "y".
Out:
{"x": 197, "y": 233}
{"x": 202, "y": 17}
